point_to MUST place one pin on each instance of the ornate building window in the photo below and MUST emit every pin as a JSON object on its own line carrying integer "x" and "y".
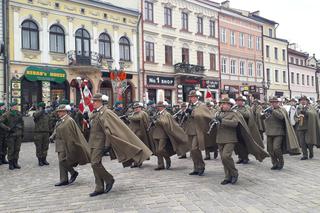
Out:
{"x": 30, "y": 35}
{"x": 105, "y": 45}
{"x": 57, "y": 39}
{"x": 124, "y": 45}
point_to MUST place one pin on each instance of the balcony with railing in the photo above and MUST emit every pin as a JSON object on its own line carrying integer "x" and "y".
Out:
{"x": 189, "y": 69}
{"x": 85, "y": 58}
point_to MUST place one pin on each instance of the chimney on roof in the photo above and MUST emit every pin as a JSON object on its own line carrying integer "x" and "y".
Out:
{"x": 256, "y": 13}
{"x": 225, "y": 4}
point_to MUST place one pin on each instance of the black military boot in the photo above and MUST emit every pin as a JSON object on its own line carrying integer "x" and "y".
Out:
{"x": 11, "y": 166}
{"x": 40, "y": 163}
{"x": 4, "y": 160}
{"x": 1, "y": 160}
{"x": 16, "y": 165}
{"x": 215, "y": 155}
{"x": 45, "y": 162}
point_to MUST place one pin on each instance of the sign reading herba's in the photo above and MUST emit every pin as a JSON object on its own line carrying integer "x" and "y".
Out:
{"x": 34, "y": 73}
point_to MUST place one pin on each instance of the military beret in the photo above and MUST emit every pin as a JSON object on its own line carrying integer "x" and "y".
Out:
{"x": 150, "y": 103}
{"x": 64, "y": 101}
{"x": 13, "y": 104}
{"x": 41, "y": 104}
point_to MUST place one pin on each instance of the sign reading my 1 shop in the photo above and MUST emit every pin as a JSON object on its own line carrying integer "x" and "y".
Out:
{"x": 34, "y": 73}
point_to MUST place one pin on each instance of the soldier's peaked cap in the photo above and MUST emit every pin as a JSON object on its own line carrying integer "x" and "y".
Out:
{"x": 97, "y": 97}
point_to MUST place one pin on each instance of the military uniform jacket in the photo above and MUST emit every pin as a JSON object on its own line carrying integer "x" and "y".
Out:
{"x": 41, "y": 121}
{"x": 69, "y": 139}
{"x": 227, "y": 130}
{"x": 290, "y": 143}
{"x": 311, "y": 124}
{"x": 125, "y": 145}
{"x": 158, "y": 131}
{"x": 197, "y": 125}
{"x": 275, "y": 124}
{"x": 12, "y": 122}
{"x": 257, "y": 110}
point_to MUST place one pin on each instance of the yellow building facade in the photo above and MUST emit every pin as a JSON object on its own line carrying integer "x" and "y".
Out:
{"x": 53, "y": 43}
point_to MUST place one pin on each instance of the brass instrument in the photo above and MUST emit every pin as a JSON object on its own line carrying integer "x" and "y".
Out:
{"x": 301, "y": 115}
{"x": 214, "y": 122}
{"x": 153, "y": 121}
{"x": 186, "y": 113}
{"x": 177, "y": 113}
{"x": 267, "y": 112}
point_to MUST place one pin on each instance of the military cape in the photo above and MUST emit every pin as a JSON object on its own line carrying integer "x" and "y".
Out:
{"x": 125, "y": 145}
{"x": 75, "y": 145}
{"x": 177, "y": 136}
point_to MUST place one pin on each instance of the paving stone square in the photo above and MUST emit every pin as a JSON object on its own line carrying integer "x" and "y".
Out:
{"x": 294, "y": 189}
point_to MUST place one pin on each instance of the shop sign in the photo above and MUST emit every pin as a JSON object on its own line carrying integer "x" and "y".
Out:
{"x": 34, "y": 73}
{"x": 211, "y": 84}
{"x": 190, "y": 81}
{"x": 253, "y": 89}
{"x": 159, "y": 80}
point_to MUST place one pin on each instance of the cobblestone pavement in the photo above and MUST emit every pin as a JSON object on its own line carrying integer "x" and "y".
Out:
{"x": 294, "y": 189}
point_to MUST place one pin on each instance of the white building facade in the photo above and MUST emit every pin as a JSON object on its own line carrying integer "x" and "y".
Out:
{"x": 180, "y": 41}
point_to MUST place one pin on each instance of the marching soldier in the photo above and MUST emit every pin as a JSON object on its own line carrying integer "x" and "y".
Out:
{"x": 246, "y": 113}
{"x": 213, "y": 149}
{"x": 108, "y": 132}
{"x": 168, "y": 136}
{"x": 139, "y": 122}
{"x": 12, "y": 122}
{"x": 229, "y": 124}
{"x": 308, "y": 127}
{"x": 41, "y": 133}
{"x": 197, "y": 117}
{"x": 279, "y": 133}
{"x": 257, "y": 110}
{"x": 71, "y": 146}
{"x": 3, "y": 140}
{"x": 151, "y": 108}
{"x": 178, "y": 118}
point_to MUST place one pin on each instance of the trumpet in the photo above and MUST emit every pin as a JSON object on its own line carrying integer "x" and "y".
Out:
{"x": 214, "y": 122}
{"x": 301, "y": 115}
{"x": 177, "y": 113}
{"x": 267, "y": 112}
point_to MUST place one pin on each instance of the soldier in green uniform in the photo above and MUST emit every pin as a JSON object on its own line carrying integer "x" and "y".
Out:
{"x": 41, "y": 133}
{"x": 281, "y": 138}
{"x": 12, "y": 122}
{"x": 3, "y": 142}
{"x": 308, "y": 130}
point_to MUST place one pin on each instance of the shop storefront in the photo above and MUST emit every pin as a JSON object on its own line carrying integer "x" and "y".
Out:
{"x": 160, "y": 88}
{"x": 250, "y": 91}
{"x": 212, "y": 86}
{"x": 187, "y": 83}
{"x": 45, "y": 84}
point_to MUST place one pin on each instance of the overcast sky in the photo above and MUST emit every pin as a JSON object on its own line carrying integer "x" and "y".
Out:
{"x": 299, "y": 20}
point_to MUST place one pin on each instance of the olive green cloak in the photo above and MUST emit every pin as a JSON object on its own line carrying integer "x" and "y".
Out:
{"x": 124, "y": 144}
{"x": 75, "y": 145}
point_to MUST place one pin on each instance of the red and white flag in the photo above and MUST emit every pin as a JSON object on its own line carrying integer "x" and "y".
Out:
{"x": 208, "y": 94}
{"x": 85, "y": 103}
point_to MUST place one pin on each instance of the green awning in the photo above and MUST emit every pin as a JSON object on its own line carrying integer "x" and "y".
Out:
{"x": 34, "y": 73}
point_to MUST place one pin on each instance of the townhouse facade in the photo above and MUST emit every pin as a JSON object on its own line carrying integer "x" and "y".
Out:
{"x": 302, "y": 75}
{"x": 52, "y": 43}
{"x": 180, "y": 50}
{"x": 241, "y": 57}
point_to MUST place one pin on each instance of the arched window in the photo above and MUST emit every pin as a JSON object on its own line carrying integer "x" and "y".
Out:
{"x": 30, "y": 35}
{"x": 57, "y": 39}
{"x": 82, "y": 42}
{"x": 124, "y": 45}
{"x": 105, "y": 45}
